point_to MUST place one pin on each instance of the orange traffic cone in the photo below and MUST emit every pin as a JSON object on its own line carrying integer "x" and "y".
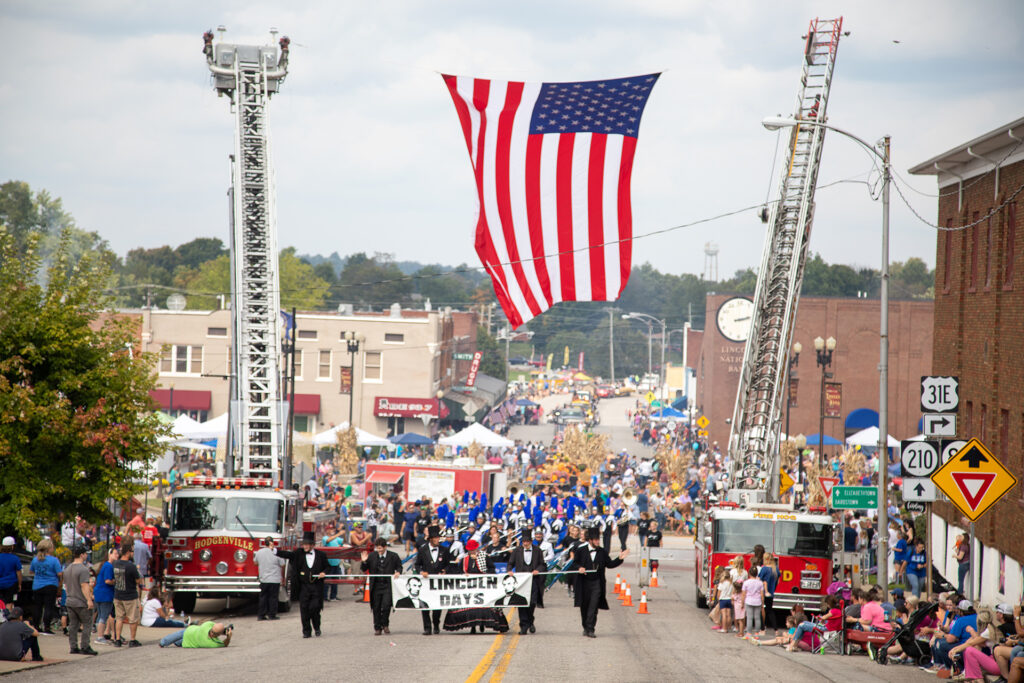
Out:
{"x": 622, "y": 592}
{"x": 366, "y": 590}
{"x": 618, "y": 584}
{"x": 629, "y": 597}
{"x": 643, "y": 603}
{"x": 654, "y": 578}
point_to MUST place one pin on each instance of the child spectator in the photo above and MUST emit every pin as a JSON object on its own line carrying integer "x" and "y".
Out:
{"x": 784, "y": 639}
{"x": 739, "y": 608}
{"x": 753, "y": 601}
{"x": 725, "y": 608}
{"x": 917, "y": 567}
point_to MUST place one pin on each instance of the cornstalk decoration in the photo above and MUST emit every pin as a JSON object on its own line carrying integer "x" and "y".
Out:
{"x": 347, "y": 459}
{"x": 476, "y": 451}
{"x": 854, "y": 465}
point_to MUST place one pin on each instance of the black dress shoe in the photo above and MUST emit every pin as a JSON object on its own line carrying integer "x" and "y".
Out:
{"x": 387, "y": 630}
{"x": 88, "y": 651}
{"x": 376, "y": 632}
{"x": 426, "y": 631}
{"x": 590, "y": 634}
{"x": 317, "y": 633}
{"x": 523, "y": 631}
{"x": 273, "y": 618}
{"x": 75, "y": 651}
{"x": 437, "y": 630}
{"x": 261, "y": 618}
{"x": 533, "y": 629}
{"x": 307, "y": 635}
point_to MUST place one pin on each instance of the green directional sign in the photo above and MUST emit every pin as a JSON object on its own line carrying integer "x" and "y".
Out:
{"x": 854, "y": 497}
{"x": 462, "y": 356}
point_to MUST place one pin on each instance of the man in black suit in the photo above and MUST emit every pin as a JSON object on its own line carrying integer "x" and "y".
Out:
{"x": 527, "y": 557}
{"x": 592, "y": 560}
{"x": 309, "y": 568}
{"x": 382, "y": 562}
{"x": 432, "y": 558}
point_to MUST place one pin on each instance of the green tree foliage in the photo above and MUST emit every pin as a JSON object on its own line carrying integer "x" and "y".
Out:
{"x": 492, "y": 362}
{"x": 166, "y": 267}
{"x": 300, "y": 287}
{"x": 371, "y": 282}
{"x": 444, "y": 288}
{"x": 75, "y": 412}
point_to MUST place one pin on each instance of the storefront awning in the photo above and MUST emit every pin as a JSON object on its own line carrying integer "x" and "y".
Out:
{"x": 184, "y": 399}
{"x": 306, "y": 404}
{"x": 385, "y": 477}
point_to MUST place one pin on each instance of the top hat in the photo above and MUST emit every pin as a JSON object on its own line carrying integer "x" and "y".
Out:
{"x": 433, "y": 532}
{"x": 308, "y": 537}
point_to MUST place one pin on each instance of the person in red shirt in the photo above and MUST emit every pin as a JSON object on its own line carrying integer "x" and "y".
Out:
{"x": 150, "y": 532}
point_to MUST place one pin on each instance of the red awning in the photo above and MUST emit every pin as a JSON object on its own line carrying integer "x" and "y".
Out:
{"x": 385, "y": 477}
{"x": 306, "y": 404}
{"x": 184, "y": 399}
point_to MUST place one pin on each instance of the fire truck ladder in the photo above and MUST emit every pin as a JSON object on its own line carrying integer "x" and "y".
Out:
{"x": 249, "y": 75}
{"x": 757, "y": 415}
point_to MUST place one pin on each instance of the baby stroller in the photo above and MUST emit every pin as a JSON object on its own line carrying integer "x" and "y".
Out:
{"x": 917, "y": 650}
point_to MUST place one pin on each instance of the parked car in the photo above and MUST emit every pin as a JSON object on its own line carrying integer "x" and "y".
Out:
{"x": 605, "y": 391}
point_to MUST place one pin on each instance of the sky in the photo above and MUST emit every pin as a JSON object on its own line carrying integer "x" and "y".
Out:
{"x": 108, "y": 104}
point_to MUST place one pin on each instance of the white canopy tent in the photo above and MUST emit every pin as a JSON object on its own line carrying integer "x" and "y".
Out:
{"x": 869, "y": 437}
{"x": 363, "y": 438}
{"x": 478, "y": 433}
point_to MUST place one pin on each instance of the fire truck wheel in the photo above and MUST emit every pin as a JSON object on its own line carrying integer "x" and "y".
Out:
{"x": 184, "y": 602}
{"x": 702, "y": 602}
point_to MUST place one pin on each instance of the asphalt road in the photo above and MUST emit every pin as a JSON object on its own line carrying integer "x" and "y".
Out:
{"x": 673, "y": 642}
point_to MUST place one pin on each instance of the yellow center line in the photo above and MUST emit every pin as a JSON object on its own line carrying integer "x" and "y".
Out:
{"x": 485, "y": 663}
{"x": 502, "y": 667}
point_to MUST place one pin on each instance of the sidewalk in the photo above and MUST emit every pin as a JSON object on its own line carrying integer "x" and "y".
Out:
{"x": 54, "y": 649}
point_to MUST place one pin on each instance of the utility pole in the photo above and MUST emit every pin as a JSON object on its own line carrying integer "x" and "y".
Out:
{"x": 611, "y": 338}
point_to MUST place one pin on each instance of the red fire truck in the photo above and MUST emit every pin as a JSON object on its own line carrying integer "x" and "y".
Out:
{"x": 217, "y": 525}
{"x": 802, "y": 542}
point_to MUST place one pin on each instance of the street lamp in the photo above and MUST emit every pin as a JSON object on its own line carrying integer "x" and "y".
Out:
{"x": 650, "y": 320}
{"x": 775, "y": 123}
{"x": 823, "y": 348}
{"x": 353, "y": 339}
{"x": 794, "y": 358}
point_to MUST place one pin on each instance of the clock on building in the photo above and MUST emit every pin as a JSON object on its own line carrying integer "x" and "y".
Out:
{"x": 734, "y": 318}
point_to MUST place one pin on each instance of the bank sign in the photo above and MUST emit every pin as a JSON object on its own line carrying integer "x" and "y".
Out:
{"x": 393, "y": 406}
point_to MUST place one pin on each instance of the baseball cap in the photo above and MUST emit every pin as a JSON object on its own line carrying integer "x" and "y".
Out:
{"x": 8, "y": 540}
{"x": 964, "y": 605}
{"x": 1004, "y": 608}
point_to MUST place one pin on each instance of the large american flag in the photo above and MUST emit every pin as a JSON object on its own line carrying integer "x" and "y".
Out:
{"x": 552, "y": 164}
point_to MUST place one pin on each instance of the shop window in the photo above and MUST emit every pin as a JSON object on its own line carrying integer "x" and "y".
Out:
{"x": 373, "y": 366}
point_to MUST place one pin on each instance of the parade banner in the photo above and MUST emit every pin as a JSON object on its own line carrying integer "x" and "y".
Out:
{"x": 457, "y": 591}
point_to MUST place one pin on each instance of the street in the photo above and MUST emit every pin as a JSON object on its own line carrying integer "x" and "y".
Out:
{"x": 673, "y": 642}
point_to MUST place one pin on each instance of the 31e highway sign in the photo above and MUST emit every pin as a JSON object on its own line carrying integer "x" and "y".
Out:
{"x": 940, "y": 394}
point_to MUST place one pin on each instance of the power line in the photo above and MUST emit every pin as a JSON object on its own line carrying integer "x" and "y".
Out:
{"x": 955, "y": 228}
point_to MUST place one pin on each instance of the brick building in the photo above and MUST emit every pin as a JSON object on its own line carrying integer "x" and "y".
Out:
{"x": 854, "y": 323}
{"x": 979, "y": 331}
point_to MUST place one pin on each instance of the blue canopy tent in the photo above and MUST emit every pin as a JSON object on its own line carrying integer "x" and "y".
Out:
{"x": 814, "y": 439}
{"x": 668, "y": 413}
{"x": 526, "y": 403}
{"x": 410, "y": 439}
{"x": 859, "y": 419}
{"x": 680, "y": 403}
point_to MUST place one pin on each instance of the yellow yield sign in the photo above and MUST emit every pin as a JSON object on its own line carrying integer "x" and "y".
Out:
{"x": 974, "y": 479}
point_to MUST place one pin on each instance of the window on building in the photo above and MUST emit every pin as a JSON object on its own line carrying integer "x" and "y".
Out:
{"x": 1004, "y": 435}
{"x": 301, "y": 423}
{"x": 1009, "y": 243}
{"x": 396, "y": 425}
{"x": 181, "y": 359}
{"x": 324, "y": 370}
{"x": 989, "y": 252}
{"x": 308, "y": 335}
{"x": 972, "y": 281}
{"x": 216, "y": 332}
{"x": 373, "y": 363}
{"x": 947, "y": 265}
{"x": 394, "y": 338}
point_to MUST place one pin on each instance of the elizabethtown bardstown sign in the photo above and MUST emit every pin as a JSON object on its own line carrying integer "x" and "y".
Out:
{"x": 458, "y": 591}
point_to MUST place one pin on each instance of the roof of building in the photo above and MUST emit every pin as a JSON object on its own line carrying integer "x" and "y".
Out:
{"x": 993, "y": 145}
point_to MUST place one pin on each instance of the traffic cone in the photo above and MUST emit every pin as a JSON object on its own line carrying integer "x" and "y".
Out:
{"x": 629, "y": 597}
{"x": 654, "y": 578}
{"x": 643, "y": 603}
{"x": 366, "y": 590}
{"x": 622, "y": 592}
{"x": 618, "y": 584}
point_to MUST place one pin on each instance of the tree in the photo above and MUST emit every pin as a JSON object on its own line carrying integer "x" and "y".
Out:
{"x": 75, "y": 414}
{"x": 492, "y": 362}
{"x": 372, "y": 281}
{"x": 300, "y": 287}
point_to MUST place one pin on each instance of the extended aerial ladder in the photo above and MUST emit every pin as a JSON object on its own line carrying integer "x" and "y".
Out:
{"x": 756, "y": 421}
{"x": 249, "y": 75}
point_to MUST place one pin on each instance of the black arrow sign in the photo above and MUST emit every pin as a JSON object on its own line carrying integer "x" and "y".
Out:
{"x": 973, "y": 457}
{"x": 919, "y": 489}
{"x": 944, "y": 422}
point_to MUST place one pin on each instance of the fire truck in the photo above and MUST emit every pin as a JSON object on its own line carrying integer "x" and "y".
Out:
{"x": 218, "y": 524}
{"x": 802, "y": 542}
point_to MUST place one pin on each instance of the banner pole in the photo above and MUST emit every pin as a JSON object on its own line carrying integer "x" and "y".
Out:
{"x": 928, "y": 541}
